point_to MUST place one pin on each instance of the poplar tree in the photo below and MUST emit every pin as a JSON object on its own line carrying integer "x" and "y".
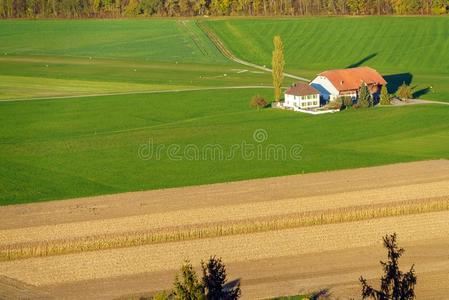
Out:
{"x": 278, "y": 63}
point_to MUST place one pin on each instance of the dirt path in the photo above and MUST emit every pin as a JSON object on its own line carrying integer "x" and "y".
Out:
{"x": 227, "y": 53}
{"x": 142, "y": 92}
{"x": 416, "y": 102}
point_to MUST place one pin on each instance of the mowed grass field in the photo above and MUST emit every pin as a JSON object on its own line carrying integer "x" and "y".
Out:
{"x": 410, "y": 49}
{"x": 82, "y": 146}
{"x": 65, "y": 148}
{"x": 83, "y": 57}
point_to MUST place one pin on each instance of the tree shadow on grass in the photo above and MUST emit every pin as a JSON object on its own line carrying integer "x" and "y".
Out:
{"x": 362, "y": 61}
{"x": 394, "y": 81}
{"x": 421, "y": 92}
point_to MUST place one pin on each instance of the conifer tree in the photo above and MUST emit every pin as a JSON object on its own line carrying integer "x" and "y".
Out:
{"x": 384, "y": 96}
{"x": 214, "y": 281}
{"x": 365, "y": 98}
{"x": 394, "y": 284}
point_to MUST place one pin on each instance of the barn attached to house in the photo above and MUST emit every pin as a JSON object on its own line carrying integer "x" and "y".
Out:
{"x": 346, "y": 82}
{"x": 302, "y": 96}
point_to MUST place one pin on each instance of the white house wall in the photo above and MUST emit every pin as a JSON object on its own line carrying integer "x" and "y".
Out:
{"x": 325, "y": 87}
{"x": 292, "y": 101}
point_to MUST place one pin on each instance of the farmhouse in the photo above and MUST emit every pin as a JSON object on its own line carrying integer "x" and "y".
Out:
{"x": 346, "y": 82}
{"x": 302, "y": 96}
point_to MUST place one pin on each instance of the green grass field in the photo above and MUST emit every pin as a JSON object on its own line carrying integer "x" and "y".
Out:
{"x": 407, "y": 49}
{"x": 148, "y": 40}
{"x": 85, "y": 57}
{"x": 90, "y": 145}
{"x": 53, "y": 149}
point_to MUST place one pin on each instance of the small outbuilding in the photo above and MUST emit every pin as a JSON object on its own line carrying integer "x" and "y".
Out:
{"x": 302, "y": 96}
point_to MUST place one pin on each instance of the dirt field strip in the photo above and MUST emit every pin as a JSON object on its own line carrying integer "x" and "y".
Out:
{"x": 184, "y": 233}
{"x": 244, "y": 222}
{"x": 234, "y": 213}
{"x": 128, "y": 261}
{"x": 13, "y": 289}
{"x": 337, "y": 270}
{"x": 226, "y": 194}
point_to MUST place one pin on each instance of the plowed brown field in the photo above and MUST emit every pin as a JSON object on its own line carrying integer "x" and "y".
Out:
{"x": 330, "y": 252}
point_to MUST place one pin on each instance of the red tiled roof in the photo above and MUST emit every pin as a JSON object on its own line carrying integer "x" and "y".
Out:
{"x": 351, "y": 79}
{"x": 301, "y": 89}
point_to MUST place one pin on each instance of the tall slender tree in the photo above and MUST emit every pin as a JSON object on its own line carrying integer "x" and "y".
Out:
{"x": 278, "y": 63}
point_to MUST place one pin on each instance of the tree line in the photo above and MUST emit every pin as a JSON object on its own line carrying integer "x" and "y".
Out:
{"x": 189, "y": 8}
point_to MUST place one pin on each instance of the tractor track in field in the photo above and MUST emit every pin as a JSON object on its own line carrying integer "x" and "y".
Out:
{"x": 228, "y": 54}
{"x": 193, "y": 36}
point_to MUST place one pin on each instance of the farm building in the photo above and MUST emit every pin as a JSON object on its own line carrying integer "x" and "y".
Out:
{"x": 302, "y": 96}
{"x": 346, "y": 82}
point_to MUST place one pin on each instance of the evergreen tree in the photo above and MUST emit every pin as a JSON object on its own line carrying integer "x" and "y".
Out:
{"x": 214, "y": 281}
{"x": 394, "y": 285}
{"x": 365, "y": 98}
{"x": 384, "y": 96}
{"x": 188, "y": 287}
{"x": 278, "y": 63}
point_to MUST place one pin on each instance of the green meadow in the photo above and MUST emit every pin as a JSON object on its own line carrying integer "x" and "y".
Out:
{"x": 410, "y": 49}
{"x": 120, "y": 86}
{"x": 84, "y": 57}
{"x": 166, "y": 40}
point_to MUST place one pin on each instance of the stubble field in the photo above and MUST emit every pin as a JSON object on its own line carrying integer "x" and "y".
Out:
{"x": 247, "y": 202}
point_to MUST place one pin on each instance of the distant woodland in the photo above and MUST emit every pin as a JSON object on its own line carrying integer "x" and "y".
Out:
{"x": 181, "y": 8}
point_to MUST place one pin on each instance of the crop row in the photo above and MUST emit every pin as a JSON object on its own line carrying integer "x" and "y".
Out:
{"x": 175, "y": 234}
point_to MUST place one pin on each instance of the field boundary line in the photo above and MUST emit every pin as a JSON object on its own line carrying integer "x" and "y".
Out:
{"x": 140, "y": 92}
{"x": 228, "y": 54}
